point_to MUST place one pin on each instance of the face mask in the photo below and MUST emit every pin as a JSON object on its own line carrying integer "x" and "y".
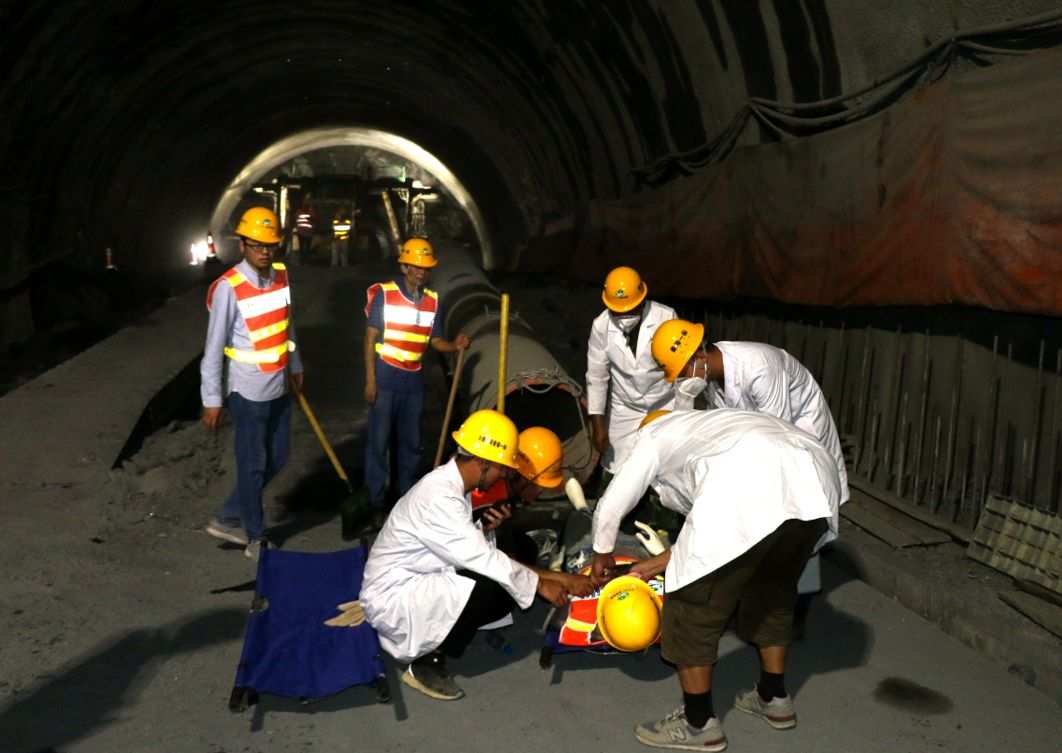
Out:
{"x": 691, "y": 387}
{"x": 627, "y": 323}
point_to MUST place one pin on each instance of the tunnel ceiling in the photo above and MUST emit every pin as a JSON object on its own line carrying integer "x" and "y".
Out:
{"x": 124, "y": 121}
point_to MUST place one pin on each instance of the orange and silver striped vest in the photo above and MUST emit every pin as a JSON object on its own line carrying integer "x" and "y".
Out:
{"x": 407, "y": 325}
{"x": 265, "y": 313}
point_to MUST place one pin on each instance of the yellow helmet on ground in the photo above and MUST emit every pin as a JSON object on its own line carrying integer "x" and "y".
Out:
{"x": 652, "y": 416}
{"x": 624, "y": 290}
{"x": 628, "y": 613}
{"x": 418, "y": 252}
{"x": 489, "y": 435}
{"x": 674, "y": 343}
{"x": 259, "y": 224}
{"x": 540, "y": 457}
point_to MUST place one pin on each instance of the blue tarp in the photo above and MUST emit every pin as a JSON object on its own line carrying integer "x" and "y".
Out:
{"x": 288, "y": 650}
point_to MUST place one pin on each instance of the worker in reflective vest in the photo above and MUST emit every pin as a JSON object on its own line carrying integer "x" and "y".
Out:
{"x": 404, "y": 318}
{"x": 341, "y": 226}
{"x": 248, "y": 360}
{"x": 302, "y": 243}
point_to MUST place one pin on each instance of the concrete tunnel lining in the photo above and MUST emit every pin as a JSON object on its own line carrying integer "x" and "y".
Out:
{"x": 290, "y": 147}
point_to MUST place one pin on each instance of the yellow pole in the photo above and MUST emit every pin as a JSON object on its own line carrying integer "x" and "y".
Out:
{"x": 503, "y": 352}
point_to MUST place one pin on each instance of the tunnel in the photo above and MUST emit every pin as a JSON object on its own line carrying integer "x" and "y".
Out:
{"x": 874, "y": 187}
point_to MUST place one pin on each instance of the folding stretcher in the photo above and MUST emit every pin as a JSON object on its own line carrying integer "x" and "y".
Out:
{"x": 287, "y": 649}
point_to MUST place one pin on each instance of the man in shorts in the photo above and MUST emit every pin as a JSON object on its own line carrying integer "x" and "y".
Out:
{"x": 760, "y": 497}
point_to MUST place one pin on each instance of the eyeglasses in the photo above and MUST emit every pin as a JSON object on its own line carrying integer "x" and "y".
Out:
{"x": 260, "y": 247}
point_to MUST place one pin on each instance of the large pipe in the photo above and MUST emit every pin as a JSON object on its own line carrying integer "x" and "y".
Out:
{"x": 537, "y": 389}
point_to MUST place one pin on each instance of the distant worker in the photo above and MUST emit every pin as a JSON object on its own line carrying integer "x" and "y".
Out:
{"x": 749, "y": 376}
{"x": 341, "y": 225}
{"x": 759, "y": 497}
{"x": 404, "y": 318}
{"x": 434, "y": 577}
{"x": 251, "y": 326}
{"x": 302, "y": 243}
{"x": 212, "y": 250}
{"x": 623, "y": 382}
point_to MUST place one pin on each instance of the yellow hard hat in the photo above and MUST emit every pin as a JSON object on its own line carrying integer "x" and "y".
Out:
{"x": 674, "y": 343}
{"x": 418, "y": 252}
{"x": 540, "y": 456}
{"x": 628, "y": 613}
{"x": 652, "y": 416}
{"x": 624, "y": 290}
{"x": 259, "y": 224}
{"x": 489, "y": 435}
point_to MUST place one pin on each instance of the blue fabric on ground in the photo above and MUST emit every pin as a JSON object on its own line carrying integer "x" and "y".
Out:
{"x": 288, "y": 650}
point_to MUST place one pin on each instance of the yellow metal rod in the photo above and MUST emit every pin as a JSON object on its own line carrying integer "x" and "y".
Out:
{"x": 503, "y": 352}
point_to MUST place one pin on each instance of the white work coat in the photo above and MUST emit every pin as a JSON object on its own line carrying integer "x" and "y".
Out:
{"x": 624, "y": 385}
{"x": 766, "y": 379}
{"x": 735, "y": 475}
{"x": 411, "y": 592}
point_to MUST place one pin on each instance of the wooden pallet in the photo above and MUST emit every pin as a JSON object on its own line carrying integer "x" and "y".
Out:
{"x": 1020, "y": 541}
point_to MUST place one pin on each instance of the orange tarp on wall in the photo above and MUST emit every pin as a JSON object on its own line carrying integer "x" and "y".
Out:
{"x": 952, "y": 195}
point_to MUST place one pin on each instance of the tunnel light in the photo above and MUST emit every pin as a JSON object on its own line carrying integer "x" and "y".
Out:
{"x": 200, "y": 251}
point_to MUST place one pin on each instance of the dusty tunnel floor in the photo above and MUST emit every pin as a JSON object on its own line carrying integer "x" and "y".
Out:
{"x": 122, "y": 621}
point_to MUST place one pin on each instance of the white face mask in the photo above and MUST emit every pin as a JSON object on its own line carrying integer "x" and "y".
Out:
{"x": 628, "y": 322}
{"x": 691, "y": 387}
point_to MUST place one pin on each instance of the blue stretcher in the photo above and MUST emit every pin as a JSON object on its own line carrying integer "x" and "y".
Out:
{"x": 287, "y": 649}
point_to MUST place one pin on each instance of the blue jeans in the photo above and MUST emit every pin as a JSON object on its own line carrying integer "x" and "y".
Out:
{"x": 263, "y": 431}
{"x": 399, "y": 413}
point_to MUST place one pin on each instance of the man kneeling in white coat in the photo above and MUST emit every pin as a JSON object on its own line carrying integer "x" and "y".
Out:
{"x": 759, "y": 496}
{"x": 433, "y": 577}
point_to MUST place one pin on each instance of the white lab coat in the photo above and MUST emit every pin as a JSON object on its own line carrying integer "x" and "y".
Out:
{"x": 411, "y": 592}
{"x": 762, "y": 378}
{"x": 624, "y": 385}
{"x": 735, "y": 475}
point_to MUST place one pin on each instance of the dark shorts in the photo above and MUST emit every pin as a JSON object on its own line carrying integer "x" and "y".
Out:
{"x": 761, "y": 585}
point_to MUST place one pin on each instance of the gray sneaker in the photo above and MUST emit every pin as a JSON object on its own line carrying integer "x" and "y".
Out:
{"x": 673, "y": 731}
{"x": 225, "y": 532}
{"x": 777, "y": 712}
{"x": 253, "y": 549}
{"x": 429, "y": 676}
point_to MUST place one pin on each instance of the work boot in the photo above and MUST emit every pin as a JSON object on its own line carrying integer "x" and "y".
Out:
{"x": 673, "y": 731}
{"x": 221, "y": 530}
{"x": 777, "y": 712}
{"x": 428, "y": 675}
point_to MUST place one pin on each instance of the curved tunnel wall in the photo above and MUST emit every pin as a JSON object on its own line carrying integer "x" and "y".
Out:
{"x": 124, "y": 122}
{"x": 322, "y": 138}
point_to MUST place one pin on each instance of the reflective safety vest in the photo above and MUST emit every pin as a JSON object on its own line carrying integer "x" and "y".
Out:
{"x": 304, "y": 222}
{"x": 407, "y": 325}
{"x": 341, "y": 229}
{"x": 265, "y": 313}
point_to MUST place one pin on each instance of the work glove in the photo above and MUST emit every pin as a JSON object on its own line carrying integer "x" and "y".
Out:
{"x": 574, "y": 490}
{"x": 350, "y": 615}
{"x": 649, "y": 538}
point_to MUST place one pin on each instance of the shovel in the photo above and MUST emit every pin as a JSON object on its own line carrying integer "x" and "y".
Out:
{"x": 347, "y": 506}
{"x": 449, "y": 407}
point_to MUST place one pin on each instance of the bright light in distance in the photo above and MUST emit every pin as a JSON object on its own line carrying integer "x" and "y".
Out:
{"x": 200, "y": 251}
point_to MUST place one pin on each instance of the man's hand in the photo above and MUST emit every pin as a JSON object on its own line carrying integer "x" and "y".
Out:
{"x": 461, "y": 342}
{"x": 296, "y": 382}
{"x": 599, "y": 432}
{"x": 211, "y": 418}
{"x": 553, "y": 592}
{"x": 370, "y": 393}
{"x": 578, "y": 585}
{"x": 651, "y": 567}
{"x": 495, "y": 516}
{"x": 601, "y": 569}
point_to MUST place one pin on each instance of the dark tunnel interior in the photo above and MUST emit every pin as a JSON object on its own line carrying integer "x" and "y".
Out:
{"x": 125, "y": 121}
